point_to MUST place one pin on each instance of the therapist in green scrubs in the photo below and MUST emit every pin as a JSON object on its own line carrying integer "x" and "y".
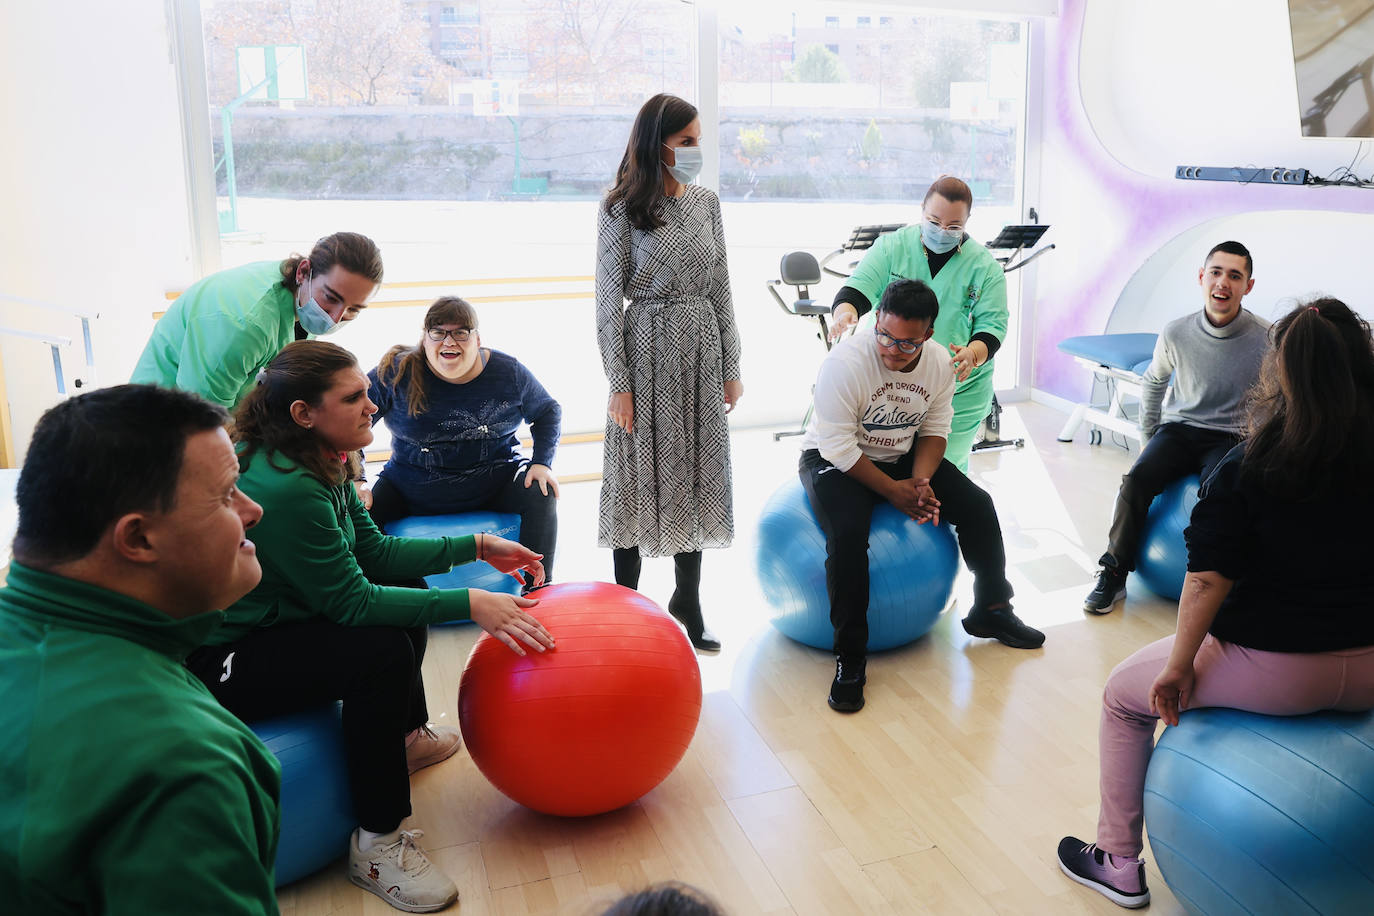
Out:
{"x": 971, "y": 288}
{"x": 224, "y": 328}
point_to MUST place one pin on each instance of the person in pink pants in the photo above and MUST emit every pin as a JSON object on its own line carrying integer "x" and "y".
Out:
{"x": 1277, "y": 611}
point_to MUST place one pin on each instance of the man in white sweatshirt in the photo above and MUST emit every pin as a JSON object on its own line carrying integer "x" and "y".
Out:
{"x": 878, "y": 432}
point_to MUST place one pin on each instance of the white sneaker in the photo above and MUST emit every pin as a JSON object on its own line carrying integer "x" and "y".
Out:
{"x": 396, "y": 869}
{"x": 429, "y": 744}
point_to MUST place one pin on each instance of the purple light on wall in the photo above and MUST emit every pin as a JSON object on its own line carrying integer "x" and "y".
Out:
{"x": 1133, "y": 214}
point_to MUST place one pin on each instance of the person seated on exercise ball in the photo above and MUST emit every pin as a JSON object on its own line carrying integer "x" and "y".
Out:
{"x": 453, "y": 408}
{"x": 322, "y": 626}
{"x": 972, "y": 290}
{"x": 1213, "y": 357}
{"x": 217, "y": 335}
{"x": 1274, "y": 616}
{"x": 882, "y": 411}
{"x": 124, "y": 787}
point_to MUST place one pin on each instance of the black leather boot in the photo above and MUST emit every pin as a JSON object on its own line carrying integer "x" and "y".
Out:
{"x": 685, "y": 605}
{"x": 627, "y": 564}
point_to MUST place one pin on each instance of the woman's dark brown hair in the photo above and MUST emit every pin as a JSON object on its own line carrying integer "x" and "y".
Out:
{"x": 1312, "y": 410}
{"x": 639, "y": 180}
{"x": 409, "y": 364}
{"x": 951, "y": 189}
{"x": 668, "y": 899}
{"x": 355, "y": 253}
{"x": 302, "y": 371}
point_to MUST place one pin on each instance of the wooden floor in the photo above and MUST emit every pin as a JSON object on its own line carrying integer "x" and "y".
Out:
{"x": 947, "y": 794}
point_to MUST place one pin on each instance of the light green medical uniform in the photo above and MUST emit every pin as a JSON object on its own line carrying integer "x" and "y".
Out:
{"x": 220, "y": 332}
{"x": 973, "y": 300}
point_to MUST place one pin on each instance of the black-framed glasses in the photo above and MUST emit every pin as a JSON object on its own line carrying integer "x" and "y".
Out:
{"x": 439, "y": 334}
{"x": 905, "y": 344}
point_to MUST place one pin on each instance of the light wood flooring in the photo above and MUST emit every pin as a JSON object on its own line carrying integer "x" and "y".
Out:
{"x": 946, "y": 794}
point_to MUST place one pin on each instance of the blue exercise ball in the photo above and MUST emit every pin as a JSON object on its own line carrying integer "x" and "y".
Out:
{"x": 316, "y": 808}
{"x": 1265, "y": 814}
{"x": 1163, "y": 560}
{"x": 911, "y": 571}
{"x": 476, "y": 574}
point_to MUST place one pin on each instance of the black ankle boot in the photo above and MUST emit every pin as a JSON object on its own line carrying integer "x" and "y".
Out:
{"x": 627, "y": 565}
{"x": 685, "y": 605}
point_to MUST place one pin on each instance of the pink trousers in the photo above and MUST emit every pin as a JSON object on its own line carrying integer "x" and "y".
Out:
{"x": 1274, "y": 683}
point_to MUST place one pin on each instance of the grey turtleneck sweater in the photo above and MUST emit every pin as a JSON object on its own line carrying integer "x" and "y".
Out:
{"x": 1212, "y": 370}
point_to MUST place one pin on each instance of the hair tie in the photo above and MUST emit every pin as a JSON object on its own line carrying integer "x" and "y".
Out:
{"x": 262, "y": 375}
{"x": 1313, "y": 308}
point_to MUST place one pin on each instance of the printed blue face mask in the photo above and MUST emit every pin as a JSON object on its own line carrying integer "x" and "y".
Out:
{"x": 940, "y": 240}
{"x": 314, "y": 319}
{"x": 688, "y": 163}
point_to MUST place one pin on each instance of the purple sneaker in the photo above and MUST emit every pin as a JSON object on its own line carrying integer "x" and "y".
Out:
{"x": 1122, "y": 881}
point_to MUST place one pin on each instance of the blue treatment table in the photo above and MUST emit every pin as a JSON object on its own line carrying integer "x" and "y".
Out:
{"x": 1119, "y": 361}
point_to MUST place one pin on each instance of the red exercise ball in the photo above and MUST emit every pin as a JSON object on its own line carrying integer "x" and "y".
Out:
{"x": 594, "y": 723}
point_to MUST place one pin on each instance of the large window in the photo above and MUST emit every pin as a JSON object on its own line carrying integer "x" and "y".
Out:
{"x": 473, "y": 139}
{"x": 827, "y": 123}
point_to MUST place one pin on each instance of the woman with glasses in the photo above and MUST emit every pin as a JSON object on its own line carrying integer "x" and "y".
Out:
{"x": 972, "y": 292}
{"x": 1274, "y": 616}
{"x": 672, "y": 358}
{"x": 453, "y": 408}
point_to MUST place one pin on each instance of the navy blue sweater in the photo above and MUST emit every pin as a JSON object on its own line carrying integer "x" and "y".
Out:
{"x": 468, "y": 429}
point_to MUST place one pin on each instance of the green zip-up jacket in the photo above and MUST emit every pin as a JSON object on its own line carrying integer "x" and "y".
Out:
{"x": 125, "y": 788}
{"x": 321, "y": 553}
{"x": 220, "y": 332}
{"x": 971, "y": 288}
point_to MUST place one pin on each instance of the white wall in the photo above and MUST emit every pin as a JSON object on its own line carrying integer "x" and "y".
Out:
{"x": 1135, "y": 89}
{"x": 92, "y": 181}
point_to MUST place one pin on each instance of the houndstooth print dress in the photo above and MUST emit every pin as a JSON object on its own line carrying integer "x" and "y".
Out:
{"x": 666, "y": 488}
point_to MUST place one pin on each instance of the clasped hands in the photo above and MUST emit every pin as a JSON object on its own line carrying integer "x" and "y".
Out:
{"x": 915, "y": 499}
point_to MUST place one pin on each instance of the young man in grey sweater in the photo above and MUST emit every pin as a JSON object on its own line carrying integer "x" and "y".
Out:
{"x": 1213, "y": 357}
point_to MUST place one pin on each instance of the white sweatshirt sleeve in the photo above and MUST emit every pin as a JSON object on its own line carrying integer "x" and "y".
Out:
{"x": 940, "y": 415}
{"x": 839, "y": 407}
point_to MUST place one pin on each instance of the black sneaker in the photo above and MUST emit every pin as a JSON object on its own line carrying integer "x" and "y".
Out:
{"x": 847, "y": 690}
{"x": 1122, "y": 881}
{"x": 1110, "y": 588}
{"x": 1004, "y": 626}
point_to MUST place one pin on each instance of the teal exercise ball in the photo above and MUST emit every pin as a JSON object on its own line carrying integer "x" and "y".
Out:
{"x": 911, "y": 572}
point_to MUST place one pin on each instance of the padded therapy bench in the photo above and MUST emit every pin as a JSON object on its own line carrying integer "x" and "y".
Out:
{"x": 1119, "y": 361}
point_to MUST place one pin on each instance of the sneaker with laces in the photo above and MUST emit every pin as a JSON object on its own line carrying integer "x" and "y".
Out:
{"x": 1001, "y": 624}
{"x": 1110, "y": 588}
{"x": 429, "y": 744}
{"x": 396, "y": 869}
{"x": 1120, "y": 880}
{"x": 847, "y": 690}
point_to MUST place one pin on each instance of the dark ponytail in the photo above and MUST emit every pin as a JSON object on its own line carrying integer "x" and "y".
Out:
{"x": 302, "y": 371}
{"x": 1312, "y": 410}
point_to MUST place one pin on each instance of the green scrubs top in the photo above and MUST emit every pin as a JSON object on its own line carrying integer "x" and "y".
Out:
{"x": 220, "y": 332}
{"x": 973, "y": 300}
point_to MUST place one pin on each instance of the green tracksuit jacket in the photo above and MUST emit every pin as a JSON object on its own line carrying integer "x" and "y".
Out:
{"x": 220, "y": 332}
{"x": 973, "y": 299}
{"x": 125, "y": 788}
{"x": 319, "y": 550}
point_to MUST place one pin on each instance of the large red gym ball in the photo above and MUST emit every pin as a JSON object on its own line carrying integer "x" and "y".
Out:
{"x": 594, "y": 723}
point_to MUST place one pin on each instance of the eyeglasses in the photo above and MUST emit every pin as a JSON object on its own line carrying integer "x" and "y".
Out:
{"x": 906, "y": 345}
{"x": 952, "y": 226}
{"x": 438, "y": 335}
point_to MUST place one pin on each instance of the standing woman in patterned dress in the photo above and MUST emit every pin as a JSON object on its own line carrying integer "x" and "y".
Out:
{"x": 671, "y": 356}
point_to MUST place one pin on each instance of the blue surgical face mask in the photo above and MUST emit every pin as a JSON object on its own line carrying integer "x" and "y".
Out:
{"x": 940, "y": 240}
{"x": 688, "y": 163}
{"x": 314, "y": 319}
